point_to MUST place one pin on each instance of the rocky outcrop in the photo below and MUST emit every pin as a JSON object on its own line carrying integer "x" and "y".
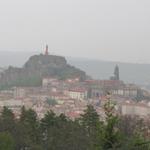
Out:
{"x": 37, "y": 67}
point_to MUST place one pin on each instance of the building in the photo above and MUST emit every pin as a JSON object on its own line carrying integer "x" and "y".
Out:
{"x": 48, "y": 82}
{"x": 135, "y": 109}
{"x": 128, "y": 90}
{"x": 98, "y": 88}
{"x": 19, "y": 93}
{"x": 116, "y": 74}
{"x": 79, "y": 94}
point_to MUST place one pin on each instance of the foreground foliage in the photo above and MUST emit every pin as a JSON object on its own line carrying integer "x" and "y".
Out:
{"x": 89, "y": 132}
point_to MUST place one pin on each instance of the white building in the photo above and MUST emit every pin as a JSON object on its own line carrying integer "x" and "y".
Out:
{"x": 137, "y": 109}
{"x": 79, "y": 94}
{"x": 19, "y": 93}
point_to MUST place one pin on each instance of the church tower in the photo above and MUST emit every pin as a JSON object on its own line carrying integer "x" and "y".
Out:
{"x": 46, "y": 51}
{"x": 116, "y": 73}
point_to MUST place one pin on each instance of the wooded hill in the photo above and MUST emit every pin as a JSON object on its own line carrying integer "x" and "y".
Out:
{"x": 37, "y": 67}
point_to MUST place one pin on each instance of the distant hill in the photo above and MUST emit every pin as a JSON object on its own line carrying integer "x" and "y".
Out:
{"x": 129, "y": 72}
{"x": 38, "y": 67}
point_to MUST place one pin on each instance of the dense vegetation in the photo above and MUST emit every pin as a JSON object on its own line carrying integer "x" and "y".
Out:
{"x": 89, "y": 132}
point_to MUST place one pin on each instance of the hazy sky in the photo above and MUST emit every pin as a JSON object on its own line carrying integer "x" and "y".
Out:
{"x": 103, "y": 29}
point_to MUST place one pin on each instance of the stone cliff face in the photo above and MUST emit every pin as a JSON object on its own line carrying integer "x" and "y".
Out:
{"x": 37, "y": 67}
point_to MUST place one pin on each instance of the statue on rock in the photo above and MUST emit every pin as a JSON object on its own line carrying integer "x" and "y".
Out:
{"x": 46, "y": 51}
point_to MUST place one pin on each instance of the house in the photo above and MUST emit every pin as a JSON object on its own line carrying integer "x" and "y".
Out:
{"x": 138, "y": 109}
{"x": 19, "y": 93}
{"x": 128, "y": 90}
{"x": 79, "y": 94}
{"x": 48, "y": 82}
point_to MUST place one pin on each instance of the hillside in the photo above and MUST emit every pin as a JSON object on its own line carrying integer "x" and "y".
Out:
{"x": 37, "y": 67}
{"x": 129, "y": 72}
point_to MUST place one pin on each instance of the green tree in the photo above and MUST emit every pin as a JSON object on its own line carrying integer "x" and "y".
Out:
{"x": 6, "y": 141}
{"x": 7, "y": 120}
{"x": 90, "y": 118}
{"x": 61, "y": 133}
{"x": 110, "y": 136}
{"x": 90, "y": 121}
{"x": 30, "y": 135}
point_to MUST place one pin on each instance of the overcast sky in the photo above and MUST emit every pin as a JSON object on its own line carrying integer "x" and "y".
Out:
{"x": 102, "y": 29}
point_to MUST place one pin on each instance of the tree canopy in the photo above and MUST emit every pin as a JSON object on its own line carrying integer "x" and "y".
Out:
{"x": 57, "y": 132}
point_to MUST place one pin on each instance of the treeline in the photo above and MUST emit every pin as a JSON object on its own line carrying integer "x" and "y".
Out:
{"x": 89, "y": 132}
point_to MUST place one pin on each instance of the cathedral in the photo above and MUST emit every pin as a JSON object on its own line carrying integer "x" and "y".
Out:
{"x": 116, "y": 74}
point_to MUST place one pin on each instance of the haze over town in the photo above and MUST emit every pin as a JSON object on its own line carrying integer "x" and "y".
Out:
{"x": 97, "y": 29}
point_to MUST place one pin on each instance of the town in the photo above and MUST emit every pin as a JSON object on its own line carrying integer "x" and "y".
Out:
{"x": 71, "y": 95}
